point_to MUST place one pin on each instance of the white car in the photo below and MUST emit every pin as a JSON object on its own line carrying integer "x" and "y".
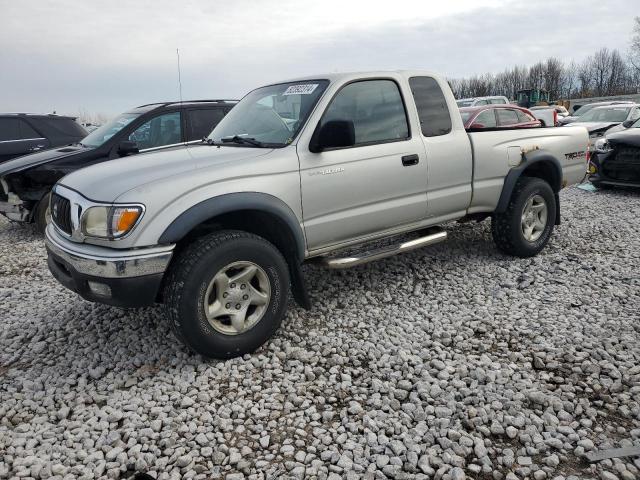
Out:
{"x": 479, "y": 101}
{"x": 600, "y": 119}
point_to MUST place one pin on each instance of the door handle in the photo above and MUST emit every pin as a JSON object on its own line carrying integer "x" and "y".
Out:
{"x": 409, "y": 160}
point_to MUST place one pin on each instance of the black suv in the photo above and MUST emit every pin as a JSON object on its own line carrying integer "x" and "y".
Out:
{"x": 25, "y": 182}
{"x": 25, "y": 133}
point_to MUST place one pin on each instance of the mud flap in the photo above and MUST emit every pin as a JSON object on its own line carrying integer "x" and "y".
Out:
{"x": 298, "y": 288}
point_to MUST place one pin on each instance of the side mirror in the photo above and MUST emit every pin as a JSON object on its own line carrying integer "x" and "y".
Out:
{"x": 127, "y": 147}
{"x": 333, "y": 134}
{"x": 628, "y": 123}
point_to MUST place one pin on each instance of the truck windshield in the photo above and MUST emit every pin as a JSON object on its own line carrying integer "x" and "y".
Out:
{"x": 606, "y": 115}
{"x": 108, "y": 130}
{"x": 269, "y": 116}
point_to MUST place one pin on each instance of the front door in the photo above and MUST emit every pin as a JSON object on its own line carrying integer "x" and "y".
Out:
{"x": 376, "y": 184}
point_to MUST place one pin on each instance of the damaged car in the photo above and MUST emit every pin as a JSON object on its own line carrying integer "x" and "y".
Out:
{"x": 600, "y": 119}
{"x": 26, "y": 182}
{"x": 615, "y": 160}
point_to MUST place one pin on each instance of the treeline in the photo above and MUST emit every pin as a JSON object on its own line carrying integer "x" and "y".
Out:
{"x": 604, "y": 73}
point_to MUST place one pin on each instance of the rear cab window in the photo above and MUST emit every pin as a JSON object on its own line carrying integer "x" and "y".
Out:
{"x": 433, "y": 111}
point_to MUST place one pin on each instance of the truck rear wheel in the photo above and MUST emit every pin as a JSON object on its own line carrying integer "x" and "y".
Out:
{"x": 525, "y": 227}
{"x": 226, "y": 293}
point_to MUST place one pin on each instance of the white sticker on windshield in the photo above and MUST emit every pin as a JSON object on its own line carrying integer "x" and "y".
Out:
{"x": 302, "y": 89}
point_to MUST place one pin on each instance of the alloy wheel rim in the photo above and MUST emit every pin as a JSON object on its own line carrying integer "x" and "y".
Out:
{"x": 237, "y": 298}
{"x": 534, "y": 218}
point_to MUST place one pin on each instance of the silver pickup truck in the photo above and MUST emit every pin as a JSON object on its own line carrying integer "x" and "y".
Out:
{"x": 299, "y": 171}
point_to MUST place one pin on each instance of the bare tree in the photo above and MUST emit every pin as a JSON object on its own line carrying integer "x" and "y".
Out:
{"x": 553, "y": 72}
{"x": 536, "y": 75}
{"x": 634, "y": 50}
{"x": 569, "y": 79}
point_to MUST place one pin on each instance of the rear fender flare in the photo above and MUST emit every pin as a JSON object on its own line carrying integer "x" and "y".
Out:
{"x": 540, "y": 158}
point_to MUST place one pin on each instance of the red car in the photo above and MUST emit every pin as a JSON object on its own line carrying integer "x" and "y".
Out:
{"x": 497, "y": 116}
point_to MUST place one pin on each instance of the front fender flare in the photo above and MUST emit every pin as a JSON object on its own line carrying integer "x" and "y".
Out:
{"x": 230, "y": 202}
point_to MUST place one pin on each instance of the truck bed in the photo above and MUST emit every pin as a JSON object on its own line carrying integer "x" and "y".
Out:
{"x": 496, "y": 152}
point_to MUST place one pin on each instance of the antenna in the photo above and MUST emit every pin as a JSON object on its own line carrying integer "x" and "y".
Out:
{"x": 179, "y": 77}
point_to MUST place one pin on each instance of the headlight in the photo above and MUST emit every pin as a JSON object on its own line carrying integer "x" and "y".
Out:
{"x": 110, "y": 222}
{"x": 602, "y": 145}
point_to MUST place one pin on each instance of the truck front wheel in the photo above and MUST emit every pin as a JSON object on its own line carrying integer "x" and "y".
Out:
{"x": 226, "y": 294}
{"x": 525, "y": 227}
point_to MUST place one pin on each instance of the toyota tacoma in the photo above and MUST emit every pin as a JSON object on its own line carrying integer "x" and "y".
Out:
{"x": 299, "y": 171}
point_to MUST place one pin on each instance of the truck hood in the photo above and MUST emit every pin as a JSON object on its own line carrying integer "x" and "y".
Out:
{"x": 594, "y": 126}
{"x": 105, "y": 182}
{"x": 39, "y": 158}
{"x": 630, "y": 136}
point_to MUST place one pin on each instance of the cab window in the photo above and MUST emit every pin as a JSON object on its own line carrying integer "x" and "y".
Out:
{"x": 375, "y": 107}
{"x": 159, "y": 131}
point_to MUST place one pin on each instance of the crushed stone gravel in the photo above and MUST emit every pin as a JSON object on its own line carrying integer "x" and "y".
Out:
{"x": 450, "y": 362}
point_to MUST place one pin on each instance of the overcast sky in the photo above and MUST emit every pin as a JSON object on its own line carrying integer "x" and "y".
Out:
{"x": 106, "y": 57}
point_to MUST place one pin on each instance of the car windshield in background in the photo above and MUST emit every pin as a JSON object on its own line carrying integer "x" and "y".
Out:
{"x": 108, "y": 130}
{"x": 464, "y": 103}
{"x": 582, "y": 110}
{"x": 606, "y": 115}
{"x": 269, "y": 116}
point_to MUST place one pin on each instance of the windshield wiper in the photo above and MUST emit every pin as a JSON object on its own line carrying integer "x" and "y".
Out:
{"x": 243, "y": 140}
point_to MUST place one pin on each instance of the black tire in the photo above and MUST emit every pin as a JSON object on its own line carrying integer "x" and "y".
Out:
{"x": 506, "y": 227}
{"x": 192, "y": 272}
{"x": 41, "y": 213}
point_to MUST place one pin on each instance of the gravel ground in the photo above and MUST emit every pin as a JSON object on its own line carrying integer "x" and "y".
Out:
{"x": 451, "y": 362}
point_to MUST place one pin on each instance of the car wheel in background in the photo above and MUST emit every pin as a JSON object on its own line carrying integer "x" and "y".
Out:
{"x": 43, "y": 213}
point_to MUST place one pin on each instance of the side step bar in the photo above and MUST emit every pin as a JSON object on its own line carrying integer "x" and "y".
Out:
{"x": 436, "y": 235}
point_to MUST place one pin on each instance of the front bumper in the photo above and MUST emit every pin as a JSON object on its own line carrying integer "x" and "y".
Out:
{"x": 605, "y": 172}
{"x": 124, "y": 278}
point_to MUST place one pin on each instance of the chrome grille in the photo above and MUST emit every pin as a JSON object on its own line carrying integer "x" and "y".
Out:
{"x": 61, "y": 213}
